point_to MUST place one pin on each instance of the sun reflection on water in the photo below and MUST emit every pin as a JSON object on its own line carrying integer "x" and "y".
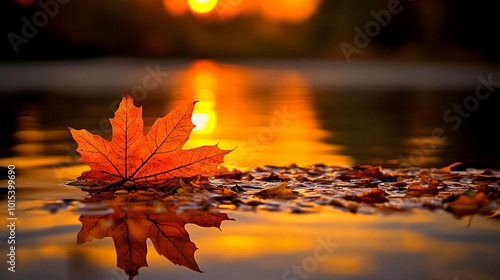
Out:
{"x": 203, "y": 84}
{"x": 278, "y": 127}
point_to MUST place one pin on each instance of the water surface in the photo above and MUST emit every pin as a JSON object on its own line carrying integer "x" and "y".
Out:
{"x": 276, "y": 114}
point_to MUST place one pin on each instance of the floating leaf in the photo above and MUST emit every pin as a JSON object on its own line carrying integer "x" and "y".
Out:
{"x": 373, "y": 196}
{"x": 279, "y": 191}
{"x": 145, "y": 160}
{"x": 448, "y": 168}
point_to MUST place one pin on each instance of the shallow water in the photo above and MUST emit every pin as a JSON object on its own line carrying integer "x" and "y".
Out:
{"x": 275, "y": 115}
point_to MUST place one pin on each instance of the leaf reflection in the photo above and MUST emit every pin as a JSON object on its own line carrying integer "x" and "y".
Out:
{"x": 131, "y": 225}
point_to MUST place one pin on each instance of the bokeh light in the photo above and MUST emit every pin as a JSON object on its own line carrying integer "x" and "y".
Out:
{"x": 291, "y": 11}
{"x": 202, "y": 6}
{"x": 176, "y": 7}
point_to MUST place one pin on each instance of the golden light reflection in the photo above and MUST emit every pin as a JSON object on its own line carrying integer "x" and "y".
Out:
{"x": 284, "y": 234}
{"x": 275, "y": 124}
{"x": 202, "y": 6}
{"x": 201, "y": 83}
{"x": 289, "y": 11}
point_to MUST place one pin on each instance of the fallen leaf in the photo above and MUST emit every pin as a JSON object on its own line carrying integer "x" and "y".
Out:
{"x": 272, "y": 176}
{"x": 320, "y": 179}
{"x": 400, "y": 184}
{"x": 145, "y": 160}
{"x": 364, "y": 183}
{"x": 373, "y": 196}
{"x": 374, "y": 172}
{"x": 280, "y": 191}
{"x": 416, "y": 190}
{"x": 485, "y": 180}
{"x": 487, "y": 172}
{"x": 450, "y": 177}
{"x": 485, "y": 177}
{"x": 495, "y": 215}
{"x": 448, "y": 168}
{"x": 184, "y": 189}
{"x": 234, "y": 174}
{"x": 431, "y": 183}
{"x": 478, "y": 200}
{"x": 491, "y": 192}
{"x": 370, "y": 172}
{"x": 418, "y": 187}
{"x": 468, "y": 205}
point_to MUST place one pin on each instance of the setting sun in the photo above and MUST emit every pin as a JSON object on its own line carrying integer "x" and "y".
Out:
{"x": 202, "y": 6}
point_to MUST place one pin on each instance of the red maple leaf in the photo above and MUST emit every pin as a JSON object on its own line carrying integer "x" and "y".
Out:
{"x": 146, "y": 160}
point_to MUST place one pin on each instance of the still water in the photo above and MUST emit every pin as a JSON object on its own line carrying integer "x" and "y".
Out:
{"x": 276, "y": 114}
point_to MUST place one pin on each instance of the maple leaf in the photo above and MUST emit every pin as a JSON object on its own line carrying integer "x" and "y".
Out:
{"x": 279, "y": 191}
{"x": 145, "y": 160}
{"x": 447, "y": 169}
{"x": 369, "y": 173}
{"x": 373, "y": 196}
{"x": 130, "y": 230}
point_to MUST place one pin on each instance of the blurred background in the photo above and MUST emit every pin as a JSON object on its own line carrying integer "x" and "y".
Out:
{"x": 287, "y": 81}
{"x": 424, "y": 30}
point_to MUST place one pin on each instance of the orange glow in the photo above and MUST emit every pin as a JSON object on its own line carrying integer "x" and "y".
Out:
{"x": 176, "y": 7}
{"x": 354, "y": 233}
{"x": 232, "y": 113}
{"x": 202, "y": 6}
{"x": 201, "y": 86}
{"x": 292, "y": 11}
